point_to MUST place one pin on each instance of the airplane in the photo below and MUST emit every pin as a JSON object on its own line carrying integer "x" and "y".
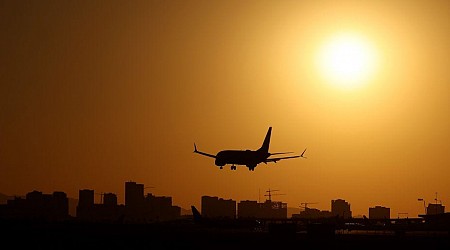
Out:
{"x": 249, "y": 158}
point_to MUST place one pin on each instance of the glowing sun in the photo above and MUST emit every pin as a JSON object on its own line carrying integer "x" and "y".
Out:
{"x": 347, "y": 61}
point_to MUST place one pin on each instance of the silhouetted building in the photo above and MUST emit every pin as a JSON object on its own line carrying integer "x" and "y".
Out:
{"x": 86, "y": 198}
{"x": 214, "y": 207}
{"x": 134, "y": 194}
{"x": 274, "y": 210}
{"x": 85, "y": 204}
{"x": 137, "y": 208}
{"x": 135, "y": 202}
{"x": 37, "y": 206}
{"x": 109, "y": 211}
{"x": 312, "y": 213}
{"x": 13, "y": 209}
{"x": 160, "y": 208}
{"x": 140, "y": 209}
{"x": 341, "y": 208}
{"x": 59, "y": 205}
{"x": 267, "y": 210}
{"x": 435, "y": 208}
{"x": 379, "y": 212}
{"x": 110, "y": 199}
{"x": 248, "y": 209}
{"x": 439, "y": 221}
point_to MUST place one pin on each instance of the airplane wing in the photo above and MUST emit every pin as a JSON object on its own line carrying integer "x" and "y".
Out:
{"x": 202, "y": 153}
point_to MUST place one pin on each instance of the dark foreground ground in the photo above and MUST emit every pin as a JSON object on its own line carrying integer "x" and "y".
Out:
{"x": 15, "y": 235}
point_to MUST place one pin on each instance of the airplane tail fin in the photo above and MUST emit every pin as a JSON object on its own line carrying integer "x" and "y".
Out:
{"x": 196, "y": 214}
{"x": 265, "y": 145}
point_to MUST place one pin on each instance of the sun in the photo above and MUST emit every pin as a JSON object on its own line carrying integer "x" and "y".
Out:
{"x": 347, "y": 61}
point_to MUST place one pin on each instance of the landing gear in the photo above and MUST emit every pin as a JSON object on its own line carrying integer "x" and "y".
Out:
{"x": 221, "y": 167}
{"x": 233, "y": 167}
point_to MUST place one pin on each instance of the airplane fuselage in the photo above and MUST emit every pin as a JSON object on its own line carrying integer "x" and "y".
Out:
{"x": 240, "y": 157}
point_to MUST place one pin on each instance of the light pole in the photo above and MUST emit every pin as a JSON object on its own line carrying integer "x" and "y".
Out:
{"x": 424, "y": 207}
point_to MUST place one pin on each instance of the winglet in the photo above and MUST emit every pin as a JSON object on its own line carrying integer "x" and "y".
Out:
{"x": 303, "y": 153}
{"x": 195, "y": 148}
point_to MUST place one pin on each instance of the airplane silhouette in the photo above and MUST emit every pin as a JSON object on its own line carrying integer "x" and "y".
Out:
{"x": 249, "y": 158}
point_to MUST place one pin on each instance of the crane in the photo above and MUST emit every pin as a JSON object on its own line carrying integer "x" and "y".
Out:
{"x": 304, "y": 205}
{"x": 269, "y": 193}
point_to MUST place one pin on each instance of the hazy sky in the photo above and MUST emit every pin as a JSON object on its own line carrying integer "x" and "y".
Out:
{"x": 96, "y": 93}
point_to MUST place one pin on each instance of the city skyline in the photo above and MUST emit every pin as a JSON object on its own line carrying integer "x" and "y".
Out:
{"x": 98, "y": 198}
{"x": 43, "y": 220}
{"x": 94, "y": 94}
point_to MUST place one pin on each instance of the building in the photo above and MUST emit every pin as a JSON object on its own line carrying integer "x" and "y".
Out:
{"x": 110, "y": 199}
{"x": 379, "y": 212}
{"x": 274, "y": 210}
{"x": 134, "y": 194}
{"x": 248, "y": 209}
{"x": 85, "y": 204}
{"x": 160, "y": 208}
{"x": 137, "y": 208}
{"x": 85, "y": 198}
{"x": 214, "y": 207}
{"x": 266, "y": 210}
{"x": 37, "y": 206}
{"x": 435, "y": 208}
{"x": 312, "y": 213}
{"x": 341, "y": 208}
{"x": 108, "y": 211}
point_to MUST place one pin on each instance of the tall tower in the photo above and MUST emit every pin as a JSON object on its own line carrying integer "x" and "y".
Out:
{"x": 134, "y": 194}
{"x": 86, "y": 198}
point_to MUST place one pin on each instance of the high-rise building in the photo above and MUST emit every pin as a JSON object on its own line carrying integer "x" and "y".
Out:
{"x": 379, "y": 212}
{"x": 248, "y": 209}
{"x": 266, "y": 210}
{"x": 110, "y": 199}
{"x": 341, "y": 208}
{"x": 86, "y": 198}
{"x": 218, "y": 207}
{"x": 85, "y": 204}
{"x": 435, "y": 208}
{"x": 160, "y": 208}
{"x": 134, "y": 194}
{"x": 38, "y": 206}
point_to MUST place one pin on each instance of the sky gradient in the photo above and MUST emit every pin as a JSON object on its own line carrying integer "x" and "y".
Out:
{"x": 96, "y": 93}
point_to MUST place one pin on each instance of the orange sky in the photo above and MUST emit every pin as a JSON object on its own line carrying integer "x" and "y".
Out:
{"x": 93, "y": 94}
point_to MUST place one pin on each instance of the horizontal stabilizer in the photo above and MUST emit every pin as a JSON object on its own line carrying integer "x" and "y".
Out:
{"x": 202, "y": 153}
{"x": 282, "y": 158}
